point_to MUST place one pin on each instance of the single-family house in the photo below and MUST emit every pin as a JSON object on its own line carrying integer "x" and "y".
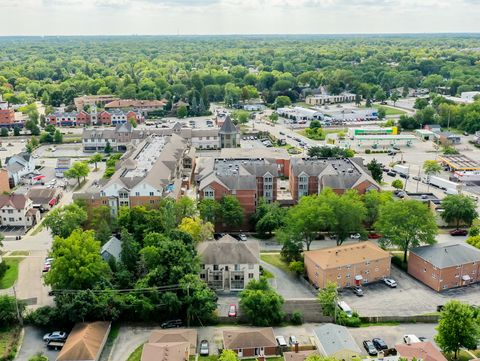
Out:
{"x": 112, "y": 249}
{"x": 298, "y": 355}
{"x": 228, "y": 264}
{"x": 44, "y": 198}
{"x": 444, "y": 266}
{"x": 170, "y": 345}
{"x": 251, "y": 342}
{"x": 347, "y": 265}
{"x": 85, "y": 342}
{"x": 19, "y": 165}
{"x": 336, "y": 341}
{"x": 17, "y": 210}
{"x": 420, "y": 351}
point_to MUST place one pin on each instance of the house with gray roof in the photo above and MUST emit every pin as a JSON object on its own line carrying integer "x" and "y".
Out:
{"x": 336, "y": 341}
{"x": 228, "y": 264}
{"x": 446, "y": 265}
{"x": 19, "y": 165}
{"x": 111, "y": 249}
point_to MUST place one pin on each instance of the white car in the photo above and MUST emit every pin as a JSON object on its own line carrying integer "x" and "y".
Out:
{"x": 390, "y": 282}
{"x": 243, "y": 237}
{"x": 355, "y": 236}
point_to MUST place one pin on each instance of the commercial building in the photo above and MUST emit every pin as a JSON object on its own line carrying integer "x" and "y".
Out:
{"x": 227, "y": 264}
{"x": 445, "y": 266}
{"x": 251, "y": 342}
{"x": 347, "y": 265}
{"x": 448, "y": 138}
{"x": 310, "y": 175}
{"x": 151, "y": 170}
{"x": 424, "y": 134}
{"x": 85, "y": 342}
{"x": 229, "y": 134}
{"x": 322, "y": 99}
{"x": 92, "y": 101}
{"x": 336, "y": 341}
{"x": 144, "y": 106}
{"x": 17, "y": 210}
{"x": 464, "y": 168}
{"x": 354, "y": 132}
{"x": 300, "y": 114}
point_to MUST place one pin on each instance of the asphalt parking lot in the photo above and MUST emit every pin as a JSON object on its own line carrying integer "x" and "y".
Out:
{"x": 33, "y": 344}
{"x": 410, "y": 298}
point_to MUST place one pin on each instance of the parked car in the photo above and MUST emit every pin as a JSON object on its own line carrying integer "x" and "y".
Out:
{"x": 204, "y": 350}
{"x": 292, "y": 340}
{"x": 379, "y": 344}
{"x": 172, "y": 324}
{"x": 408, "y": 339}
{"x": 416, "y": 177}
{"x": 392, "y": 174}
{"x": 373, "y": 235}
{"x": 281, "y": 341}
{"x": 242, "y": 237}
{"x": 232, "y": 310}
{"x": 55, "y": 336}
{"x": 370, "y": 348}
{"x": 390, "y": 282}
{"x": 459, "y": 232}
{"x": 358, "y": 291}
{"x": 355, "y": 236}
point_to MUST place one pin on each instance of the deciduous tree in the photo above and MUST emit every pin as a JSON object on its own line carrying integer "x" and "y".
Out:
{"x": 63, "y": 220}
{"x": 459, "y": 208}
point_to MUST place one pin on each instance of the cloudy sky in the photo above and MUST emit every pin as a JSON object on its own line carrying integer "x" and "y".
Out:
{"x": 124, "y": 17}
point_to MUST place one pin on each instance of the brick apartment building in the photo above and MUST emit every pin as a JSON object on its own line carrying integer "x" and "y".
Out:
{"x": 445, "y": 266}
{"x": 309, "y": 176}
{"x": 144, "y": 106}
{"x": 83, "y": 118}
{"x": 347, "y": 265}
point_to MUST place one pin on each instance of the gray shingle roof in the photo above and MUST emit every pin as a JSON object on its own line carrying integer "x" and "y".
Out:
{"x": 228, "y": 127}
{"x": 448, "y": 255}
{"x": 112, "y": 247}
{"x": 334, "y": 338}
{"x": 228, "y": 250}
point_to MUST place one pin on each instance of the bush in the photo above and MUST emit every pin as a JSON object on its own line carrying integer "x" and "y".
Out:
{"x": 8, "y": 310}
{"x": 38, "y": 357}
{"x": 474, "y": 231}
{"x": 297, "y": 267}
{"x": 344, "y": 320}
{"x": 368, "y": 151}
{"x": 3, "y": 269}
{"x": 109, "y": 172}
{"x": 296, "y": 318}
{"x": 398, "y": 261}
{"x": 43, "y": 317}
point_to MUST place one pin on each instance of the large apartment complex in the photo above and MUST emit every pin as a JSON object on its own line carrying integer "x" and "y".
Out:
{"x": 154, "y": 168}
{"x": 83, "y": 118}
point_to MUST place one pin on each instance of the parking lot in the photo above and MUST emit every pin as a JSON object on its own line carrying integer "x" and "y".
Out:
{"x": 409, "y": 298}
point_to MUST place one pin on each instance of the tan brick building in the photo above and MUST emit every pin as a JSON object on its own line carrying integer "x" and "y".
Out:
{"x": 251, "y": 342}
{"x": 445, "y": 266}
{"x": 347, "y": 265}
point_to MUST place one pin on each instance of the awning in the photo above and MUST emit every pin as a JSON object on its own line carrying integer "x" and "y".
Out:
{"x": 358, "y": 278}
{"x": 52, "y": 201}
{"x": 466, "y": 278}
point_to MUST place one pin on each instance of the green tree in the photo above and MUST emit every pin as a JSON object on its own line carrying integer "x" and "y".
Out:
{"x": 77, "y": 170}
{"x": 8, "y": 310}
{"x": 474, "y": 241}
{"x": 182, "y": 111}
{"x": 273, "y": 117}
{"x": 77, "y": 262}
{"x": 97, "y": 157}
{"x": 376, "y": 169}
{"x": 406, "y": 224}
{"x": 129, "y": 255}
{"x": 209, "y": 210}
{"x": 108, "y": 148}
{"x": 282, "y": 101}
{"x": 394, "y": 97}
{"x": 431, "y": 167}
{"x": 198, "y": 299}
{"x": 373, "y": 201}
{"x": 231, "y": 211}
{"x": 58, "y": 137}
{"x": 261, "y": 304}
{"x": 328, "y": 297}
{"x": 16, "y": 131}
{"x": 228, "y": 355}
{"x": 397, "y": 184}
{"x": 268, "y": 217}
{"x": 197, "y": 228}
{"x": 63, "y": 220}
{"x": 240, "y": 116}
{"x": 4, "y": 132}
{"x": 185, "y": 207}
{"x": 382, "y": 112}
{"x": 457, "y": 328}
{"x": 459, "y": 208}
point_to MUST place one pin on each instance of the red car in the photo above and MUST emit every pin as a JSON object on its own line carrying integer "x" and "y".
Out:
{"x": 232, "y": 311}
{"x": 459, "y": 232}
{"x": 374, "y": 236}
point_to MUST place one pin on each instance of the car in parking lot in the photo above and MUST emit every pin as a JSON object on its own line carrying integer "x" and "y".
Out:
{"x": 392, "y": 174}
{"x": 355, "y": 236}
{"x": 292, "y": 340}
{"x": 373, "y": 235}
{"x": 242, "y": 237}
{"x": 55, "y": 336}
{"x": 358, "y": 291}
{"x": 370, "y": 348}
{"x": 232, "y": 310}
{"x": 281, "y": 341}
{"x": 172, "y": 324}
{"x": 379, "y": 344}
{"x": 204, "y": 350}
{"x": 459, "y": 232}
{"x": 390, "y": 282}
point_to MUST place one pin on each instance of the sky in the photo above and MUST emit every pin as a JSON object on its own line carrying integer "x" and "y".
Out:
{"x": 199, "y": 17}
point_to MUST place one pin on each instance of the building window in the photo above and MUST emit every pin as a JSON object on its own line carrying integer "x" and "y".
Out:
{"x": 237, "y": 267}
{"x": 11, "y": 219}
{"x": 151, "y": 194}
{"x": 202, "y": 276}
{"x": 209, "y": 193}
{"x": 250, "y": 275}
{"x": 215, "y": 267}
{"x": 137, "y": 194}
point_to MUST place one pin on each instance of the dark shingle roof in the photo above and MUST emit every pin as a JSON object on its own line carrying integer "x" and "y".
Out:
{"x": 448, "y": 255}
{"x": 228, "y": 127}
{"x": 228, "y": 250}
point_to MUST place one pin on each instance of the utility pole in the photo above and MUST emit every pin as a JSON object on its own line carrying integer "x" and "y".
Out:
{"x": 19, "y": 316}
{"x": 418, "y": 180}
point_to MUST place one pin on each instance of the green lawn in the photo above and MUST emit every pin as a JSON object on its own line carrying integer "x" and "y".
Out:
{"x": 12, "y": 273}
{"x": 19, "y": 253}
{"x": 389, "y": 110}
{"x": 208, "y": 358}
{"x": 137, "y": 354}
{"x": 275, "y": 260}
{"x": 8, "y": 341}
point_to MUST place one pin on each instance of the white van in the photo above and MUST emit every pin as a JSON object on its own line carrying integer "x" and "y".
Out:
{"x": 345, "y": 308}
{"x": 409, "y": 339}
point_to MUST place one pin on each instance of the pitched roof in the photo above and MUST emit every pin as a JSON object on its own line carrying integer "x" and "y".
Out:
{"x": 249, "y": 338}
{"x": 228, "y": 127}
{"x": 425, "y": 351}
{"x": 346, "y": 254}
{"x": 112, "y": 247}
{"x": 129, "y": 103}
{"x": 298, "y": 356}
{"x": 228, "y": 250}
{"x": 42, "y": 195}
{"x": 334, "y": 338}
{"x": 16, "y": 201}
{"x": 85, "y": 342}
{"x": 171, "y": 351}
{"x": 187, "y": 335}
{"x": 448, "y": 254}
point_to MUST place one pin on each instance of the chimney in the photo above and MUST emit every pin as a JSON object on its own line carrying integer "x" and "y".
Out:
{"x": 296, "y": 347}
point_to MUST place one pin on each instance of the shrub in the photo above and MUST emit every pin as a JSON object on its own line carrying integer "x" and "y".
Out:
{"x": 297, "y": 267}
{"x": 296, "y": 318}
{"x": 398, "y": 261}
{"x": 3, "y": 268}
{"x": 474, "y": 231}
{"x": 367, "y": 151}
{"x": 344, "y": 320}
{"x": 43, "y": 317}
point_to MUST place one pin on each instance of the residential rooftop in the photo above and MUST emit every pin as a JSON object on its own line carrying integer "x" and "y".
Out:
{"x": 448, "y": 255}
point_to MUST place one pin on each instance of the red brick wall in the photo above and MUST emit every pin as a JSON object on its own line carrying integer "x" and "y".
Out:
{"x": 147, "y": 201}
{"x": 105, "y": 118}
{"x": 83, "y": 118}
{"x": 7, "y": 116}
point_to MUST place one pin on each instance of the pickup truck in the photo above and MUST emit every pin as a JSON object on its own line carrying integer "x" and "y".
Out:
{"x": 55, "y": 345}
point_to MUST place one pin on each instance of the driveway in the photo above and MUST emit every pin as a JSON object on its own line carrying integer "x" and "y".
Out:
{"x": 128, "y": 339}
{"x": 33, "y": 344}
{"x": 286, "y": 284}
{"x": 411, "y": 297}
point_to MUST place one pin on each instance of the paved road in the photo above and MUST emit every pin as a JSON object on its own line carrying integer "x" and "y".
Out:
{"x": 33, "y": 344}
{"x": 286, "y": 284}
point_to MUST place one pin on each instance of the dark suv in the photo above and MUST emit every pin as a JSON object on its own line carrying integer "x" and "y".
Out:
{"x": 172, "y": 324}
